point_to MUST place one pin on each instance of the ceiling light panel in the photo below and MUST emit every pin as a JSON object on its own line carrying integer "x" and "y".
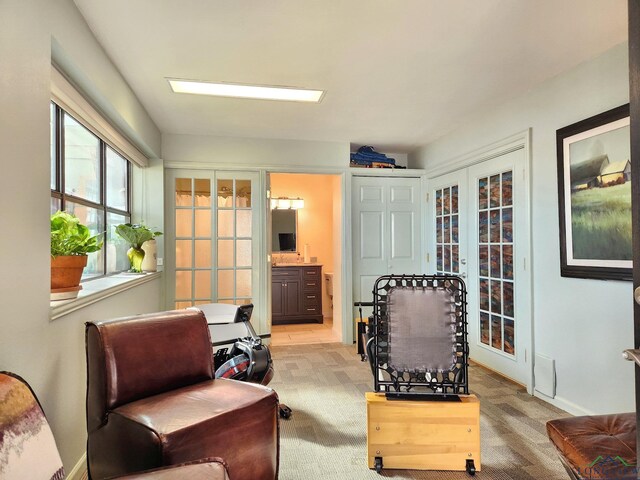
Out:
{"x": 245, "y": 91}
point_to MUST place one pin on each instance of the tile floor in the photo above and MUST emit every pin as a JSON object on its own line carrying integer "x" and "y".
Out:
{"x": 304, "y": 333}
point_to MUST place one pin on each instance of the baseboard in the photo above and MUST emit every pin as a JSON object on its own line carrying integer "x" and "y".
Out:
{"x": 79, "y": 470}
{"x": 472, "y": 362}
{"x": 564, "y": 404}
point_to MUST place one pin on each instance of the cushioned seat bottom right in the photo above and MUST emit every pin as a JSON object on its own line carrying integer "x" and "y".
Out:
{"x": 213, "y": 418}
{"x": 210, "y": 470}
{"x": 596, "y": 446}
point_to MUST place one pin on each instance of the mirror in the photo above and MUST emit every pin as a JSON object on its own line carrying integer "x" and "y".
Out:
{"x": 284, "y": 231}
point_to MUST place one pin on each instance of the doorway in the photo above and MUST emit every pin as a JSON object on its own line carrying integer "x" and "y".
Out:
{"x": 304, "y": 225}
{"x": 480, "y": 231}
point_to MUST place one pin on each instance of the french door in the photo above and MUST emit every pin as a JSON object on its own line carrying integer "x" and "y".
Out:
{"x": 212, "y": 238}
{"x": 480, "y": 232}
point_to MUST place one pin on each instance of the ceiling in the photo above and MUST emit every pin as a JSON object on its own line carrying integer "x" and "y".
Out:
{"x": 397, "y": 74}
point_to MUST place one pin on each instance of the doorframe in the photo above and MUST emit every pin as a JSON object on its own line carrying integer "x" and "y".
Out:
{"x": 348, "y": 335}
{"x": 520, "y": 140}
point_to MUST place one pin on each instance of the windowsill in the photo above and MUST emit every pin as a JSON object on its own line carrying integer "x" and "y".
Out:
{"x": 95, "y": 290}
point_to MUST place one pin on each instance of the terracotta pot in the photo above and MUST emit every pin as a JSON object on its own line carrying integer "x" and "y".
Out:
{"x": 66, "y": 272}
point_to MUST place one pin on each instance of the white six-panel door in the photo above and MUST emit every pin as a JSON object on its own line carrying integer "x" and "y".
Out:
{"x": 386, "y": 215}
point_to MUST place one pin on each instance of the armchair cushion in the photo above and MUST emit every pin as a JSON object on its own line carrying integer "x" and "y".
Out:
{"x": 207, "y": 469}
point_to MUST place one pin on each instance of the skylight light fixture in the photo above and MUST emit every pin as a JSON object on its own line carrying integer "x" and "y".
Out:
{"x": 245, "y": 91}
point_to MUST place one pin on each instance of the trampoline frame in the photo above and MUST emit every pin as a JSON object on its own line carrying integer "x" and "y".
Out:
{"x": 444, "y": 384}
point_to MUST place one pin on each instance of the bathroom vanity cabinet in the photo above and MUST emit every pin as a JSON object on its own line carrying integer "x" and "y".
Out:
{"x": 296, "y": 294}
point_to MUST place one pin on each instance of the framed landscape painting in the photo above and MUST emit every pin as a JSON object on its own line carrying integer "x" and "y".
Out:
{"x": 594, "y": 193}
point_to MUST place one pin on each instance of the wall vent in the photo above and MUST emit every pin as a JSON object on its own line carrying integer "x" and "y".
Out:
{"x": 544, "y": 371}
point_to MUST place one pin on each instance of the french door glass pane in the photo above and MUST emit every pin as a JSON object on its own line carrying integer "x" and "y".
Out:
{"x": 447, "y": 231}
{"x": 184, "y": 223}
{"x": 203, "y": 222}
{"x": 203, "y": 192}
{"x": 495, "y": 262}
{"x": 243, "y": 283}
{"x": 225, "y": 284}
{"x": 202, "y": 288}
{"x": 203, "y": 253}
{"x": 243, "y": 253}
{"x": 116, "y": 180}
{"x": 225, "y": 254}
{"x": 94, "y": 220}
{"x": 243, "y": 223}
{"x": 225, "y": 223}
{"x": 243, "y": 194}
{"x": 183, "y": 284}
{"x": 184, "y": 194}
{"x": 225, "y": 193}
{"x": 183, "y": 254}
{"x": 117, "y": 260}
{"x": 82, "y": 176}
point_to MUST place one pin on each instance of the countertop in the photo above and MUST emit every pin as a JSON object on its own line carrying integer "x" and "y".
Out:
{"x": 297, "y": 265}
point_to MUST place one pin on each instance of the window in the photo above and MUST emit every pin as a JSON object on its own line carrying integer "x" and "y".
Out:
{"x": 92, "y": 181}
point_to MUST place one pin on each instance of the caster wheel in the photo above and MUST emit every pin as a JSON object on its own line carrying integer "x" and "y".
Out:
{"x": 471, "y": 467}
{"x": 378, "y": 464}
{"x": 284, "y": 411}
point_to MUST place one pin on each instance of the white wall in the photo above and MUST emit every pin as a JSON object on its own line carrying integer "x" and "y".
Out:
{"x": 253, "y": 151}
{"x": 583, "y": 324}
{"x": 79, "y": 55}
{"x": 48, "y": 354}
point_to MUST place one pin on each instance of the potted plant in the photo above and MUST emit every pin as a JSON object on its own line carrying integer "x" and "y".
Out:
{"x": 135, "y": 235}
{"x": 71, "y": 242}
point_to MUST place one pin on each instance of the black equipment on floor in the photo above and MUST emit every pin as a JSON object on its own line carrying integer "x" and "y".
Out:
{"x": 363, "y": 330}
{"x": 241, "y": 355}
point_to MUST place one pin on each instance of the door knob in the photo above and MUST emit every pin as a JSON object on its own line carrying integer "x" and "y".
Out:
{"x": 636, "y": 295}
{"x": 463, "y": 275}
{"x": 463, "y": 261}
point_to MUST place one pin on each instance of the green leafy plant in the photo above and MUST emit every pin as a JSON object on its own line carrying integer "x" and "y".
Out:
{"x": 70, "y": 237}
{"x": 135, "y": 235}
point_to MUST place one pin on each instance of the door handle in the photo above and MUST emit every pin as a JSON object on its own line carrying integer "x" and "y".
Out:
{"x": 633, "y": 355}
{"x": 463, "y": 275}
{"x": 636, "y": 295}
{"x": 463, "y": 261}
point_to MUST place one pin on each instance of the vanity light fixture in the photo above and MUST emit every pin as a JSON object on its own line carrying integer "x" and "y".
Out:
{"x": 245, "y": 91}
{"x": 284, "y": 203}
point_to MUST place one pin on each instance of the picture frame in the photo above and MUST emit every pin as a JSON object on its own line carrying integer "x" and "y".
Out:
{"x": 594, "y": 197}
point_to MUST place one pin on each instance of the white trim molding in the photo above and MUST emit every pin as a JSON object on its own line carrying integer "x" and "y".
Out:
{"x": 66, "y": 96}
{"x": 79, "y": 470}
{"x": 96, "y": 290}
{"x": 487, "y": 152}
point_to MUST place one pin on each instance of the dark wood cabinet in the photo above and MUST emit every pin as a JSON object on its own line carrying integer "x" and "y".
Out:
{"x": 296, "y": 294}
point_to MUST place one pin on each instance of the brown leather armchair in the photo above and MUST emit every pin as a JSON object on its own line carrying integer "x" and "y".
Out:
{"x": 152, "y": 401}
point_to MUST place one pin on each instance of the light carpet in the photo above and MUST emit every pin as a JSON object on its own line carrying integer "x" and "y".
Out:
{"x": 325, "y": 439}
